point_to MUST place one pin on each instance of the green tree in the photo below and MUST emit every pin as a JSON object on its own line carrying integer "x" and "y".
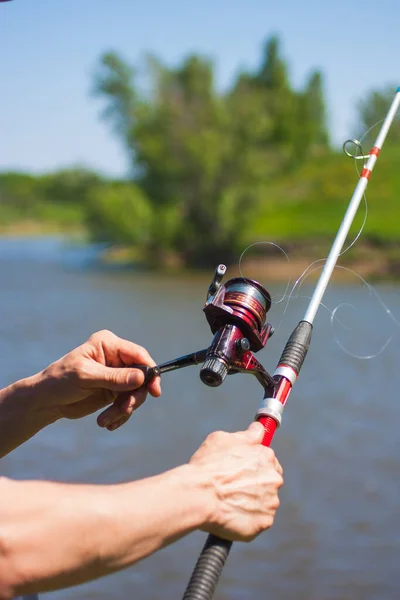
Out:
{"x": 311, "y": 135}
{"x": 19, "y": 191}
{"x": 69, "y": 186}
{"x": 373, "y": 109}
{"x": 118, "y": 211}
{"x": 273, "y": 71}
{"x": 185, "y": 159}
{"x": 203, "y": 159}
{"x": 280, "y": 98}
{"x": 115, "y": 80}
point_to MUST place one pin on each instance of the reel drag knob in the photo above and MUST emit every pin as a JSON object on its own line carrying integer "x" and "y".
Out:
{"x": 213, "y": 371}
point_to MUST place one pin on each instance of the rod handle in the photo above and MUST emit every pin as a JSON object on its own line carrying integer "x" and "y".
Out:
{"x": 208, "y": 569}
{"x": 270, "y": 426}
{"x": 297, "y": 346}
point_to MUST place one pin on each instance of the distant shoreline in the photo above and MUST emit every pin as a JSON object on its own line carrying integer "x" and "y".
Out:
{"x": 374, "y": 263}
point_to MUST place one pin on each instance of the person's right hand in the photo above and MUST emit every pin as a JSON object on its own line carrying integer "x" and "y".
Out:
{"x": 244, "y": 477}
{"x": 98, "y": 374}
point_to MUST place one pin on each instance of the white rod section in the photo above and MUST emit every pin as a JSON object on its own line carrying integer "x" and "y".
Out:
{"x": 341, "y": 236}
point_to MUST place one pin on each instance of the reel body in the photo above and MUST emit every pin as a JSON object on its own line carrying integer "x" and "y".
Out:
{"x": 236, "y": 313}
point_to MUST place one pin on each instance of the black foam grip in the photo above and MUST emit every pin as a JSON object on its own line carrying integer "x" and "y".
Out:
{"x": 208, "y": 569}
{"x": 297, "y": 346}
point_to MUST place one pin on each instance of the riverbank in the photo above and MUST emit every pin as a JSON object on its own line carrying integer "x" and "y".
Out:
{"x": 39, "y": 228}
{"x": 375, "y": 261}
{"x": 370, "y": 261}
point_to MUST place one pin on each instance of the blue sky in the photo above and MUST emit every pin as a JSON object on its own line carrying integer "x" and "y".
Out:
{"x": 49, "y": 49}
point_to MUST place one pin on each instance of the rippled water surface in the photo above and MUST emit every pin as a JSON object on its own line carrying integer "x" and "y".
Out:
{"x": 337, "y": 532}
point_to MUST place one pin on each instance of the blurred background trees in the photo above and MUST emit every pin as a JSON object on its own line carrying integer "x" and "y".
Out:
{"x": 204, "y": 159}
{"x": 210, "y": 171}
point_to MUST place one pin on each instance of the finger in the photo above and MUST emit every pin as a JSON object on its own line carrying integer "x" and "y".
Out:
{"x": 89, "y": 405}
{"x": 118, "y": 423}
{"x": 113, "y": 378}
{"x": 154, "y": 387}
{"x": 253, "y": 434}
{"x": 123, "y": 407}
{"x": 131, "y": 354}
{"x": 107, "y": 348}
{"x": 278, "y": 466}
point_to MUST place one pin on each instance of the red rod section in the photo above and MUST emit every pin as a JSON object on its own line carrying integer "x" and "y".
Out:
{"x": 269, "y": 424}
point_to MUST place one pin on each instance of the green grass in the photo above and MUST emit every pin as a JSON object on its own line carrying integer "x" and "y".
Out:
{"x": 309, "y": 204}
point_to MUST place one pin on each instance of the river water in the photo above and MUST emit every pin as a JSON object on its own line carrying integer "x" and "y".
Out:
{"x": 337, "y": 532}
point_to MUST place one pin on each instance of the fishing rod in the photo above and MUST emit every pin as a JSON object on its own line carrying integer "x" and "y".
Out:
{"x": 236, "y": 312}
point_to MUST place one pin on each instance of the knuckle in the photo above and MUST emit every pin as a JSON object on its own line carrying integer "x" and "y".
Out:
{"x": 102, "y": 334}
{"x": 275, "y": 502}
{"x": 141, "y": 349}
{"x": 142, "y": 354}
{"x": 267, "y": 522}
{"x": 249, "y": 537}
{"x": 74, "y": 371}
{"x": 216, "y": 436}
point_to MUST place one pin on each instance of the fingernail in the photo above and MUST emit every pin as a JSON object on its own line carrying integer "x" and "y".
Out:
{"x": 112, "y": 426}
{"x": 105, "y": 421}
{"x": 132, "y": 404}
{"x": 134, "y": 378}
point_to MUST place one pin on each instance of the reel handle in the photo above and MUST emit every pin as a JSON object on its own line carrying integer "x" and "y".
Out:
{"x": 177, "y": 363}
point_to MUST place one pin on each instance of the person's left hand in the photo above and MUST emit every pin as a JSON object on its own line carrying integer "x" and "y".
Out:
{"x": 97, "y": 374}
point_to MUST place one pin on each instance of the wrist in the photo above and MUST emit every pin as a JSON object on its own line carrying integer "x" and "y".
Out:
{"x": 32, "y": 404}
{"x": 154, "y": 512}
{"x": 203, "y": 493}
{"x": 23, "y": 412}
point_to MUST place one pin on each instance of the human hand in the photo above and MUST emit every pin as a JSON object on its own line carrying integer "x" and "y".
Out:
{"x": 244, "y": 477}
{"x": 95, "y": 375}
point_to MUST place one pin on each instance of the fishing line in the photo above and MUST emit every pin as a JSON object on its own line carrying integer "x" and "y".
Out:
{"x": 346, "y": 350}
{"x": 334, "y": 319}
{"x": 372, "y": 292}
{"x": 357, "y": 154}
{"x": 242, "y": 256}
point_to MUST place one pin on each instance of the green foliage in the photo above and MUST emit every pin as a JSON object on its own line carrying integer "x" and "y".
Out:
{"x": 70, "y": 186}
{"x": 57, "y": 200}
{"x": 308, "y": 205}
{"x": 310, "y": 133}
{"x": 213, "y": 171}
{"x": 18, "y": 191}
{"x": 202, "y": 157}
{"x": 115, "y": 80}
{"x": 373, "y": 109}
{"x": 120, "y": 210}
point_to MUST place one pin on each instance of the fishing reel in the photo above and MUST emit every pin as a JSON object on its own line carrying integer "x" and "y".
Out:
{"x": 236, "y": 313}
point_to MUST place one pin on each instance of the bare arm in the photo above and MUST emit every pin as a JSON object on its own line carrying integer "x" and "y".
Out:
{"x": 22, "y": 413}
{"x": 69, "y": 534}
{"x": 56, "y": 535}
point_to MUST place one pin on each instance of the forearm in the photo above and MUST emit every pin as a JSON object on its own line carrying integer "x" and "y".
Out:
{"x": 21, "y": 413}
{"x": 56, "y": 535}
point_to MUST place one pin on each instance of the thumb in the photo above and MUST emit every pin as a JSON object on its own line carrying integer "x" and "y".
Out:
{"x": 255, "y": 432}
{"x": 116, "y": 379}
